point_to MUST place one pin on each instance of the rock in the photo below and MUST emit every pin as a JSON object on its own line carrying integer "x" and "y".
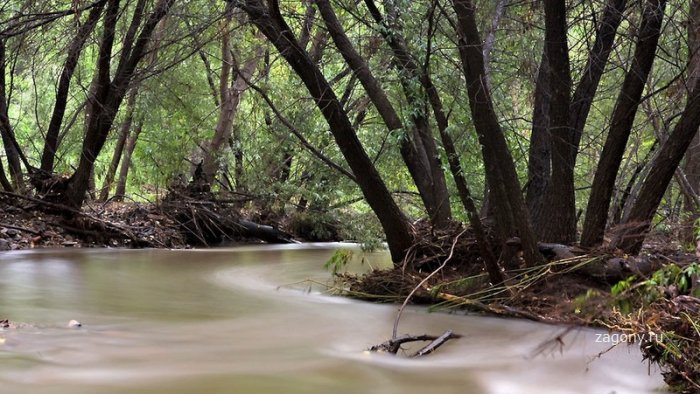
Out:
{"x": 74, "y": 324}
{"x": 12, "y": 232}
{"x": 4, "y": 245}
{"x": 69, "y": 244}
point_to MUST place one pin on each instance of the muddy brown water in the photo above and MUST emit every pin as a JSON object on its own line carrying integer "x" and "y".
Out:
{"x": 246, "y": 320}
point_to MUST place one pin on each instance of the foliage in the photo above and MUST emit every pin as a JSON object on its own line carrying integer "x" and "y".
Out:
{"x": 338, "y": 260}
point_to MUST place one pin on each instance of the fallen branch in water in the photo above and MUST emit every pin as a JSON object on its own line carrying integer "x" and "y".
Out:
{"x": 439, "y": 341}
{"x": 393, "y": 345}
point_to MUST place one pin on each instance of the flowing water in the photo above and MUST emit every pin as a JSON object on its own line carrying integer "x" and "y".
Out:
{"x": 248, "y": 320}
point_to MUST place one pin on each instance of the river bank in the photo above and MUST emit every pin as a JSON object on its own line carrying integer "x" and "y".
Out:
{"x": 651, "y": 298}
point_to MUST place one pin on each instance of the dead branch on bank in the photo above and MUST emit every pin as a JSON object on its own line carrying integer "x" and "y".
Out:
{"x": 408, "y": 298}
{"x": 85, "y": 224}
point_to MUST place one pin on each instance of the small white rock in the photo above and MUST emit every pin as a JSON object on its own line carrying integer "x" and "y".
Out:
{"x": 74, "y": 324}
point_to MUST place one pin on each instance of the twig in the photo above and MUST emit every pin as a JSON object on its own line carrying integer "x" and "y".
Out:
{"x": 26, "y": 230}
{"x": 408, "y": 298}
{"x": 439, "y": 341}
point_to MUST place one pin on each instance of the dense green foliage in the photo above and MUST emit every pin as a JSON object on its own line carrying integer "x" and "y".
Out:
{"x": 179, "y": 107}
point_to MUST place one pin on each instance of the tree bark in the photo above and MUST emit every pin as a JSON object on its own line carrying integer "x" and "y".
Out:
{"x": 691, "y": 166}
{"x": 621, "y": 123}
{"x": 510, "y": 212}
{"x": 133, "y": 137}
{"x": 4, "y": 182}
{"x": 560, "y": 200}
{"x": 394, "y": 223}
{"x": 539, "y": 165}
{"x": 124, "y": 131}
{"x": 593, "y": 71}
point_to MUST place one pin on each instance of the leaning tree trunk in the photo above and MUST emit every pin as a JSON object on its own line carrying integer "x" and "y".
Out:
{"x": 394, "y": 223}
{"x": 621, "y": 123}
{"x": 419, "y": 154}
{"x": 410, "y": 76}
{"x": 509, "y": 206}
{"x": 662, "y": 170}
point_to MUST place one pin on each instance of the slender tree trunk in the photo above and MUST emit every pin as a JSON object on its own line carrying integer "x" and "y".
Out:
{"x": 4, "y": 182}
{"x": 126, "y": 161}
{"x": 51, "y": 141}
{"x": 509, "y": 206}
{"x": 621, "y": 123}
{"x": 431, "y": 183}
{"x": 593, "y": 71}
{"x": 433, "y": 194}
{"x": 628, "y": 194}
{"x": 394, "y": 223}
{"x": 662, "y": 170}
{"x": 230, "y": 96}
{"x": 119, "y": 147}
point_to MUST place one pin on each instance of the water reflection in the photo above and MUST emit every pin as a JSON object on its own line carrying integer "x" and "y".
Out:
{"x": 240, "y": 321}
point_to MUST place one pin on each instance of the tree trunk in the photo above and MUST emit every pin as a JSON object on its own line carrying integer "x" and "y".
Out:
{"x": 394, "y": 223}
{"x": 509, "y": 206}
{"x": 119, "y": 147}
{"x": 230, "y": 96}
{"x": 691, "y": 166}
{"x": 6, "y": 132}
{"x": 560, "y": 200}
{"x": 76, "y": 46}
{"x": 539, "y": 165}
{"x": 126, "y": 162}
{"x": 109, "y": 94}
{"x": 4, "y": 182}
{"x": 662, "y": 170}
{"x": 420, "y": 152}
{"x": 621, "y": 123}
{"x": 593, "y": 71}
{"x": 434, "y": 195}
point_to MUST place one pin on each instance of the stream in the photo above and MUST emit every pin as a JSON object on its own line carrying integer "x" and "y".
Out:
{"x": 255, "y": 319}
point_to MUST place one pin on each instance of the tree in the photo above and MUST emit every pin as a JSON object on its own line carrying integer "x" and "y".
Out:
{"x": 273, "y": 26}
{"x": 509, "y": 206}
{"x": 417, "y": 147}
{"x": 621, "y": 123}
{"x": 559, "y": 195}
{"x": 59, "y": 109}
{"x": 110, "y": 92}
